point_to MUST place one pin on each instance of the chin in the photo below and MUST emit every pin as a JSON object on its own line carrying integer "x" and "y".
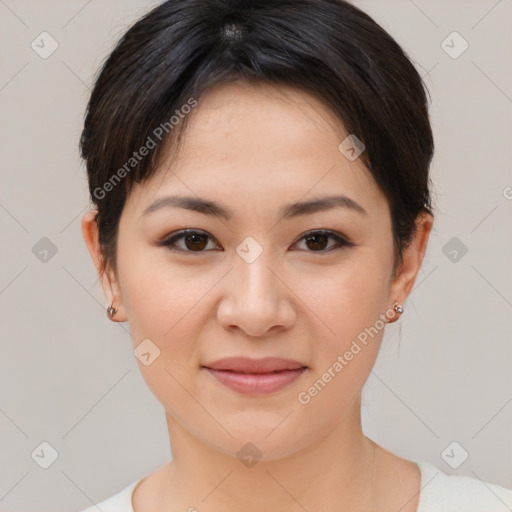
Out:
{"x": 263, "y": 436}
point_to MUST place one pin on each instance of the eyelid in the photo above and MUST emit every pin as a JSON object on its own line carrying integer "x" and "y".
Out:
{"x": 342, "y": 240}
{"x": 179, "y": 235}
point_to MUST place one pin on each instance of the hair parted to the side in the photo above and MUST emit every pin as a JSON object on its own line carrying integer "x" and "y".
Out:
{"x": 327, "y": 48}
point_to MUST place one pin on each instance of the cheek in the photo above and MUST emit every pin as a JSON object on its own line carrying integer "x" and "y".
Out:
{"x": 156, "y": 294}
{"x": 162, "y": 304}
{"x": 167, "y": 304}
{"x": 347, "y": 298}
{"x": 349, "y": 305}
{"x": 349, "y": 302}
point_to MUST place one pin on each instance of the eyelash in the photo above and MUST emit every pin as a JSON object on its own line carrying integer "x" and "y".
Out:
{"x": 169, "y": 242}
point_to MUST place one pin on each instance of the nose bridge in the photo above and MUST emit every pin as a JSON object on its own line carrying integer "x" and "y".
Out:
{"x": 255, "y": 300}
{"x": 258, "y": 286}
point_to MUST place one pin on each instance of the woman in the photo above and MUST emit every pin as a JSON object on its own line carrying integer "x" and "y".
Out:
{"x": 260, "y": 179}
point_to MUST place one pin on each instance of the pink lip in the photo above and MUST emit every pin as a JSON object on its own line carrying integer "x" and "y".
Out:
{"x": 248, "y": 365}
{"x": 255, "y": 376}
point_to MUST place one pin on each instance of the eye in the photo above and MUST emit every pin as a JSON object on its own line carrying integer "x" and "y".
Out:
{"x": 317, "y": 241}
{"x": 193, "y": 241}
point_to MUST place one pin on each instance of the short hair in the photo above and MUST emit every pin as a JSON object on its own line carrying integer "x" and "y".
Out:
{"x": 327, "y": 48}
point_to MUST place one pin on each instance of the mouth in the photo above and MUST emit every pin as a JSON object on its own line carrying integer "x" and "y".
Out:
{"x": 255, "y": 376}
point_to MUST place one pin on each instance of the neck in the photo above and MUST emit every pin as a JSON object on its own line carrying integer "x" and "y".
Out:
{"x": 335, "y": 473}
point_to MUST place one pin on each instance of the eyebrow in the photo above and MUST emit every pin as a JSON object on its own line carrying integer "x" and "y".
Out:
{"x": 291, "y": 210}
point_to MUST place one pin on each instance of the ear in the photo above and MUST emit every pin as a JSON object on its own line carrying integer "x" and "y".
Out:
{"x": 412, "y": 259}
{"x": 108, "y": 279}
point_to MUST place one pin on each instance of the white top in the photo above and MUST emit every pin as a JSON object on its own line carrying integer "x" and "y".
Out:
{"x": 439, "y": 493}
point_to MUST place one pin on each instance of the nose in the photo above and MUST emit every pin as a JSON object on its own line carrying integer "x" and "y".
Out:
{"x": 256, "y": 299}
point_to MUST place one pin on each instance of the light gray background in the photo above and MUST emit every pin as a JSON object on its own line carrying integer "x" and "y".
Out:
{"x": 68, "y": 374}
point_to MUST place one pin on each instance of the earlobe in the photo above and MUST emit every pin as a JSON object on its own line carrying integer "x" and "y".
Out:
{"x": 398, "y": 310}
{"x": 111, "y": 311}
{"x": 108, "y": 280}
{"x": 412, "y": 258}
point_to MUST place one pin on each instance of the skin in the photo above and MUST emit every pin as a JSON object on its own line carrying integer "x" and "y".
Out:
{"x": 254, "y": 149}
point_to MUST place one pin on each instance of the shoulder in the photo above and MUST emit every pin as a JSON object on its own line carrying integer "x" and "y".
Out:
{"x": 455, "y": 493}
{"x": 119, "y": 502}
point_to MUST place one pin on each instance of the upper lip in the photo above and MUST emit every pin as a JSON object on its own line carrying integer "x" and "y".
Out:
{"x": 248, "y": 365}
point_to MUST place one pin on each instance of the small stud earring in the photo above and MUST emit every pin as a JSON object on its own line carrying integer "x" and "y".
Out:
{"x": 111, "y": 310}
{"x": 398, "y": 308}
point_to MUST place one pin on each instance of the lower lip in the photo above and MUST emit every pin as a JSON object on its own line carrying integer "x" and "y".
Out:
{"x": 257, "y": 383}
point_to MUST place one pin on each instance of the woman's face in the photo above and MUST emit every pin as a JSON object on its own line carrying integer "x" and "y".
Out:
{"x": 256, "y": 282}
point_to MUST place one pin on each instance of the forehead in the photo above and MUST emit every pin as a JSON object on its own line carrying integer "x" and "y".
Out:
{"x": 261, "y": 141}
{"x": 262, "y": 110}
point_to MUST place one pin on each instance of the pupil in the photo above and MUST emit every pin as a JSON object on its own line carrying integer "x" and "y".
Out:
{"x": 198, "y": 241}
{"x": 316, "y": 242}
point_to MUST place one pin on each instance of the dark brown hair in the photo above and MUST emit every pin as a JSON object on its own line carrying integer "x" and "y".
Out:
{"x": 327, "y": 48}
